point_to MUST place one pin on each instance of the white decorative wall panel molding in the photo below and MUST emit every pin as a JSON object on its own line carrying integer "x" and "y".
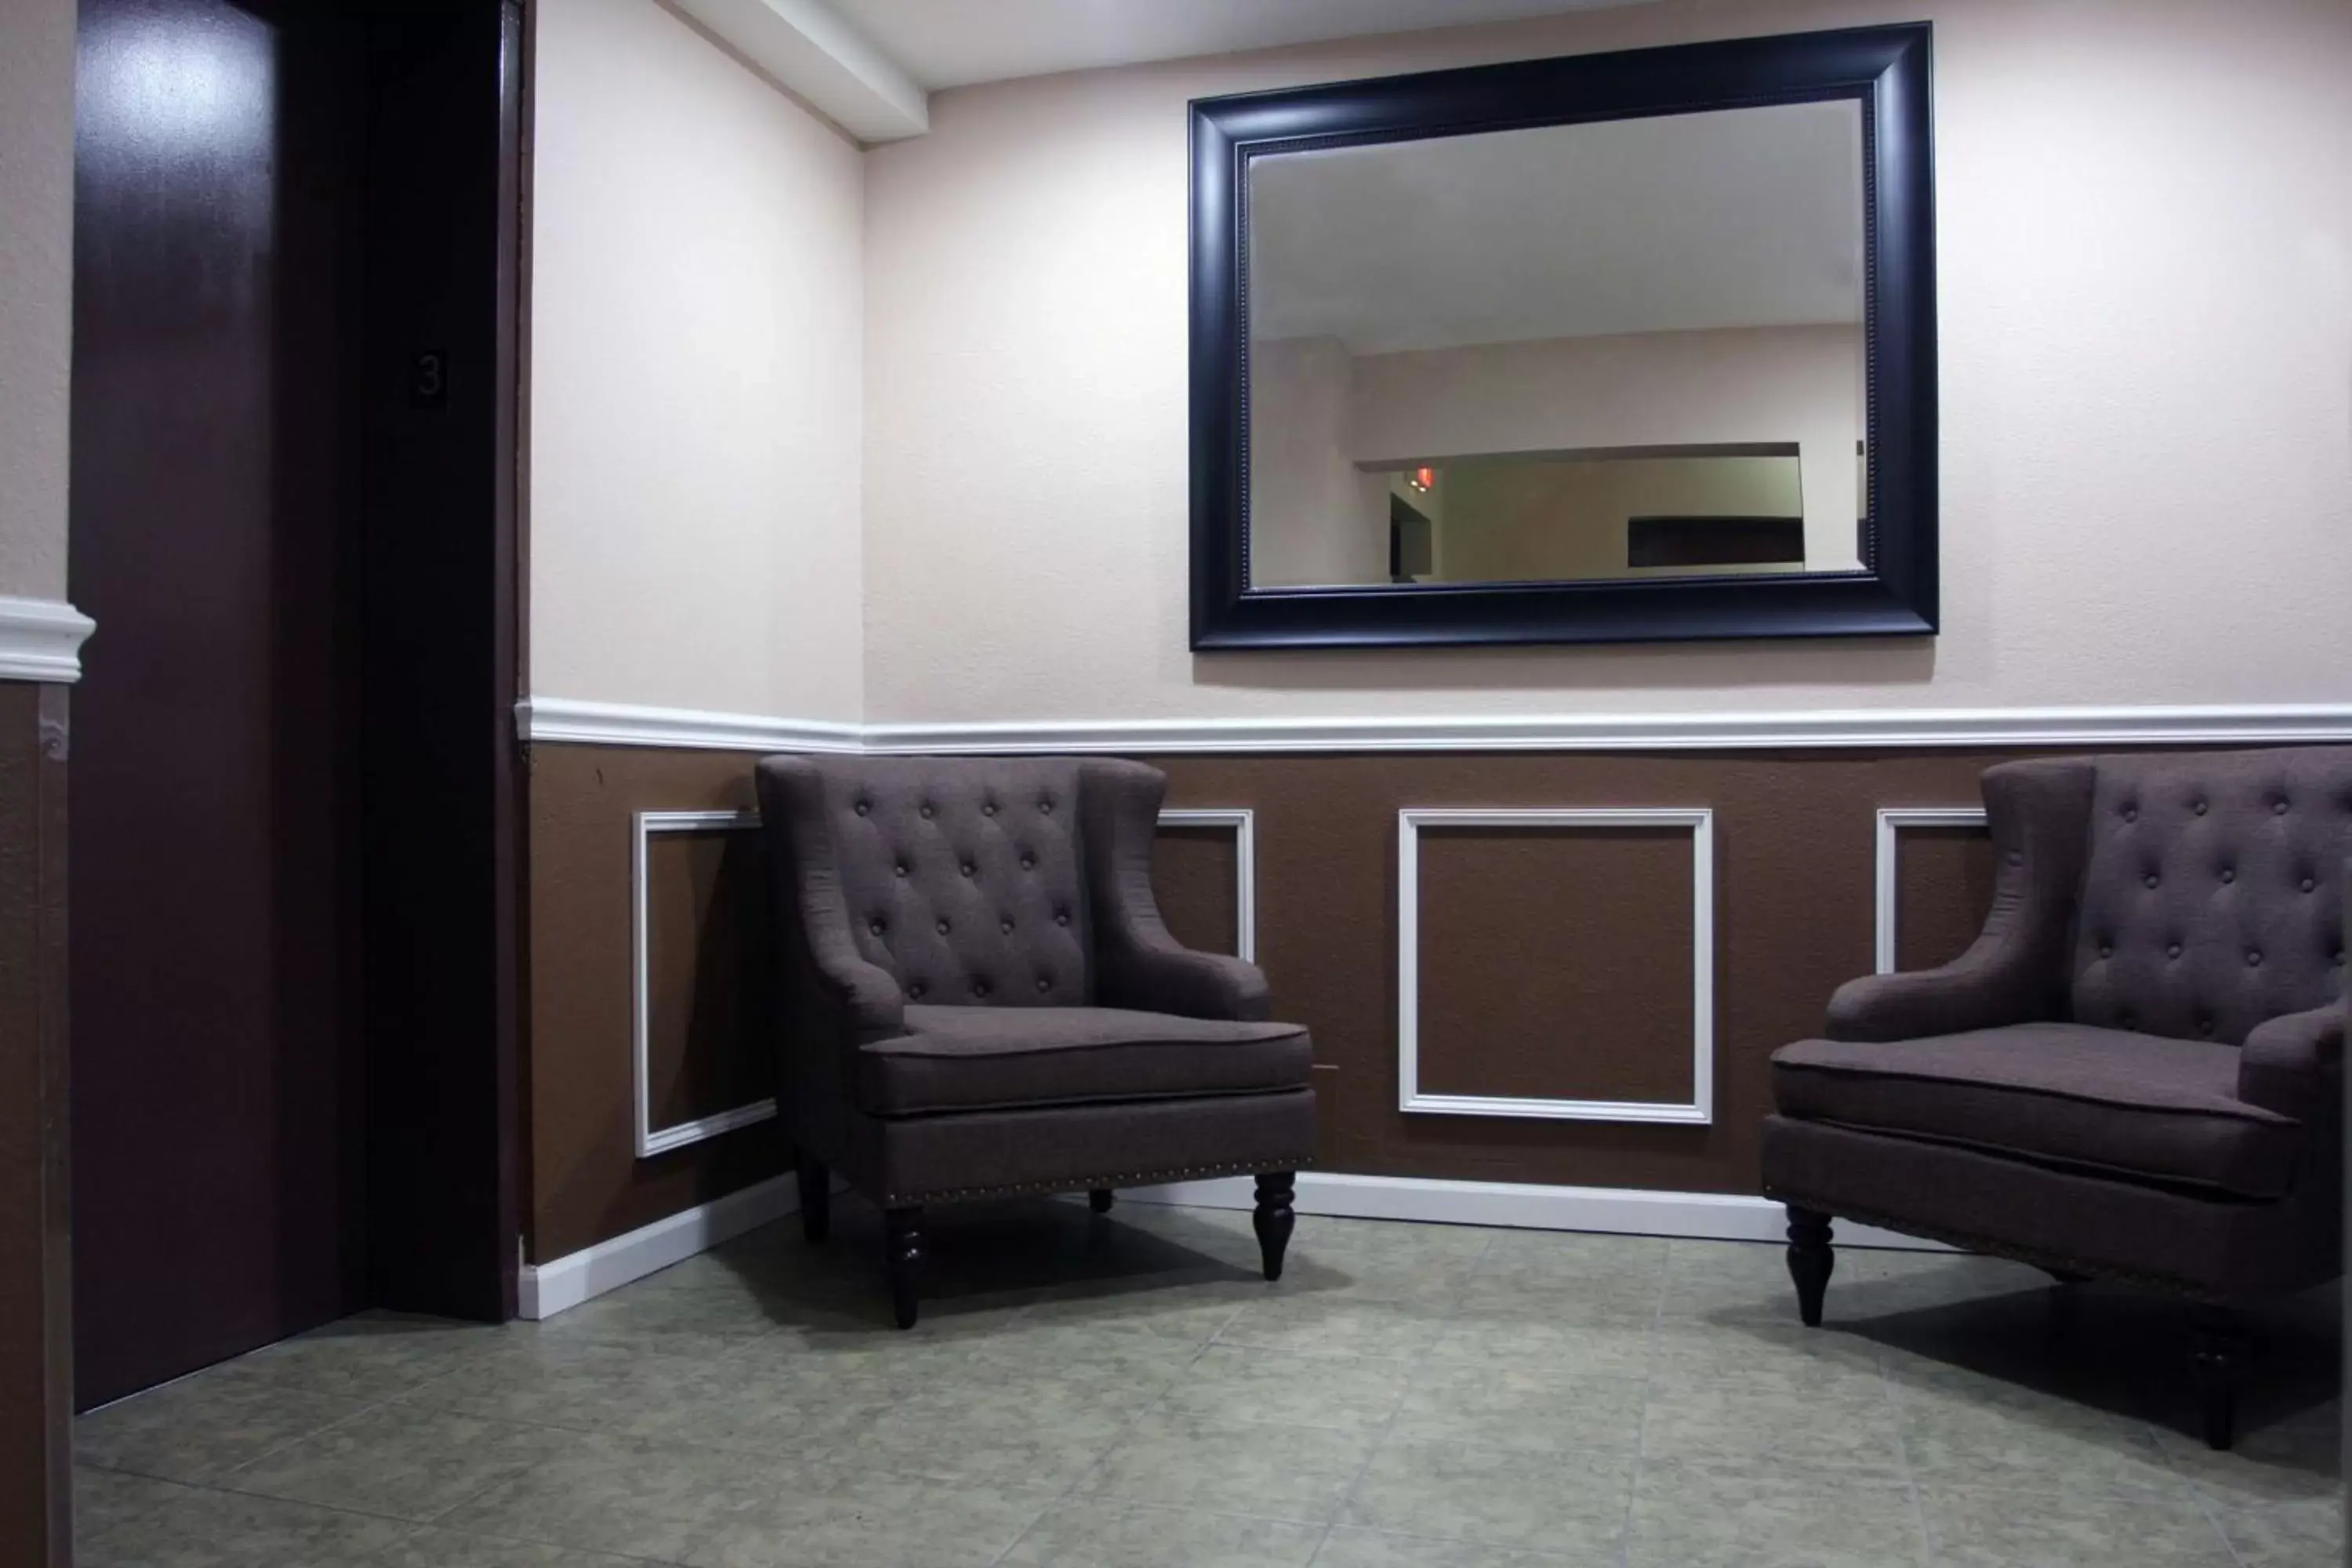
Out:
{"x": 1892, "y": 821}
{"x": 652, "y": 1140}
{"x": 1243, "y": 822}
{"x": 1412, "y": 822}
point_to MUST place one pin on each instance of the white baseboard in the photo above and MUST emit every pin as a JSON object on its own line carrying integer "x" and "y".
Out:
{"x": 1696, "y": 1216}
{"x": 565, "y": 1282}
{"x": 551, "y": 1287}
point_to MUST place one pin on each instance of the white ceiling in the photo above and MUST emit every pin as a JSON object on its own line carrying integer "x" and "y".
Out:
{"x": 806, "y": 46}
{"x": 1740, "y": 219}
{"x": 952, "y": 43}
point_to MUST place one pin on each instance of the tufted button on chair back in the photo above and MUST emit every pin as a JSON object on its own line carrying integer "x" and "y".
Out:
{"x": 965, "y": 878}
{"x": 2212, "y": 894}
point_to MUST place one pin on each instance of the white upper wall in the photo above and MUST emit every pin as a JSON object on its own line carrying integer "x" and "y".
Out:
{"x": 36, "y": 94}
{"x": 695, "y": 376}
{"x": 2145, "y": 292}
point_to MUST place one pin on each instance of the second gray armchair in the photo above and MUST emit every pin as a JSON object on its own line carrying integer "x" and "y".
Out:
{"x": 2135, "y": 1073}
{"x": 980, "y": 998}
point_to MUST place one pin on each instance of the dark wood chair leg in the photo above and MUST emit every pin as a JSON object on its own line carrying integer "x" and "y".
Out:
{"x": 816, "y": 1196}
{"x": 1811, "y": 1260}
{"x": 903, "y": 1260}
{"x": 1098, "y": 1199}
{"x": 2220, "y": 1351}
{"x": 1272, "y": 1219}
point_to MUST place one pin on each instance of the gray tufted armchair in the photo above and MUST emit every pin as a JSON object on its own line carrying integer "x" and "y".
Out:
{"x": 2134, "y": 1072}
{"x": 980, "y": 998}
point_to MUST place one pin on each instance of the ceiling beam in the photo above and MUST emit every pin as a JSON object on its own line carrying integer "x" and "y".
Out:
{"x": 810, "y": 49}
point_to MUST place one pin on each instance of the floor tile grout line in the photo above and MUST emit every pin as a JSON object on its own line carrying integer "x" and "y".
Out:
{"x": 1388, "y": 1425}
{"x": 1151, "y": 1505}
{"x": 731, "y": 1450}
{"x": 136, "y": 1514}
{"x": 1157, "y": 1505}
{"x": 345, "y": 1509}
{"x": 2196, "y": 1492}
{"x": 1641, "y": 1414}
{"x": 533, "y": 1541}
{"x": 211, "y": 1482}
{"x": 432, "y": 1520}
{"x": 1127, "y": 1426}
{"x": 1889, "y": 1393}
{"x": 737, "y": 1450}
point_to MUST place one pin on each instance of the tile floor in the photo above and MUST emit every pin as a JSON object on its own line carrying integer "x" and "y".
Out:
{"x": 1124, "y": 1393}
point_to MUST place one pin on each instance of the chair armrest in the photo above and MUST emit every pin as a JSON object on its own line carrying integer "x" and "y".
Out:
{"x": 1185, "y": 983}
{"x": 2013, "y": 972}
{"x": 2291, "y": 1064}
{"x": 1138, "y": 964}
{"x": 1992, "y": 983}
{"x": 811, "y": 915}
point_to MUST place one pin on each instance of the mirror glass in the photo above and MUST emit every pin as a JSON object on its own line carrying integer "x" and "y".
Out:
{"x": 1615, "y": 350}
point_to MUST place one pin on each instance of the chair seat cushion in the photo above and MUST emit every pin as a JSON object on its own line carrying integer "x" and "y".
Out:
{"x": 2137, "y": 1105}
{"x": 973, "y": 1058}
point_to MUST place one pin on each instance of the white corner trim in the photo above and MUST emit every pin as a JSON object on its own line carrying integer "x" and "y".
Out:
{"x": 1700, "y": 820}
{"x": 564, "y": 1282}
{"x": 810, "y": 48}
{"x": 622, "y": 724}
{"x": 652, "y": 1140}
{"x": 40, "y": 639}
{"x": 684, "y": 729}
{"x": 1243, "y": 822}
{"x": 1625, "y": 1211}
{"x": 1892, "y": 821}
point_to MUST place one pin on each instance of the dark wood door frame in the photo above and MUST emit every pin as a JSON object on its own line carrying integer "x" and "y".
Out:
{"x": 442, "y": 780}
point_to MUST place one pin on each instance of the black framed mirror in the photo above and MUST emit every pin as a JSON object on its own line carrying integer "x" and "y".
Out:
{"x": 1608, "y": 348}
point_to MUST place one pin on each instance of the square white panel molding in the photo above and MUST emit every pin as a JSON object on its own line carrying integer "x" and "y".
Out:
{"x": 652, "y": 1140}
{"x": 1700, "y": 823}
{"x": 1244, "y": 823}
{"x": 1892, "y": 821}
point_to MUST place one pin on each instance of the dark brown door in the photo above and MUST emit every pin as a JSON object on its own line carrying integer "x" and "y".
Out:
{"x": 217, "y": 1124}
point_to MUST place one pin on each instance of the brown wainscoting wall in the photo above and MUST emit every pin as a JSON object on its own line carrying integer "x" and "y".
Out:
{"x": 585, "y": 1183}
{"x": 36, "y": 1251}
{"x": 1556, "y": 963}
{"x": 709, "y": 1019}
{"x": 1195, "y": 869}
{"x": 1943, "y": 885}
{"x": 1532, "y": 921}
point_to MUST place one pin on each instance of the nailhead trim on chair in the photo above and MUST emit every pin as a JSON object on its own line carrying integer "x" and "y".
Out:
{"x": 1081, "y": 1184}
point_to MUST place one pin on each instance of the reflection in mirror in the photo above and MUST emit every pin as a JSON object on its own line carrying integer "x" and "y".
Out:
{"x": 1550, "y": 517}
{"x": 1616, "y": 350}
